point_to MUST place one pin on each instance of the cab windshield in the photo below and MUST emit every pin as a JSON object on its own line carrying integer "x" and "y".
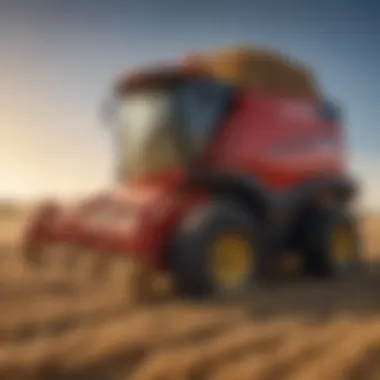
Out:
{"x": 160, "y": 130}
{"x": 146, "y": 122}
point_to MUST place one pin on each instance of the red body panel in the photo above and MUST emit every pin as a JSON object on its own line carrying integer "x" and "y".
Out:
{"x": 282, "y": 142}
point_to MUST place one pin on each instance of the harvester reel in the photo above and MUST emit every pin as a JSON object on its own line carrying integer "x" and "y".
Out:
{"x": 41, "y": 256}
{"x": 69, "y": 258}
{"x": 92, "y": 265}
{"x": 33, "y": 255}
{"x": 101, "y": 267}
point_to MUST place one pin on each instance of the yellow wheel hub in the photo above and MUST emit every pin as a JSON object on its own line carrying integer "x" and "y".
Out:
{"x": 232, "y": 258}
{"x": 342, "y": 242}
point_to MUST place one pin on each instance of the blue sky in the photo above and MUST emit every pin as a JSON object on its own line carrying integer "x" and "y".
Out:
{"x": 58, "y": 59}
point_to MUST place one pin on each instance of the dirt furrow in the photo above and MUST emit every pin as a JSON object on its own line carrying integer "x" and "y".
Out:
{"x": 303, "y": 343}
{"x": 343, "y": 359}
{"x": 53, "y": 316}
{"x": 193, "y": 359}
{"x": 96, "y": 346}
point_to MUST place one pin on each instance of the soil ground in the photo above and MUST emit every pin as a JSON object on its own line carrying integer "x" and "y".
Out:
{"x": 57, "y": 326}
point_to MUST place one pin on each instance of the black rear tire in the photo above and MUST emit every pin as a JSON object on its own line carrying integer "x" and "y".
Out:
{"x": 191, "y": 254}
{"x": 319, "y": 251}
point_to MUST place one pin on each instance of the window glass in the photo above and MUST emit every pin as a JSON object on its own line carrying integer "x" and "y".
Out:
{"x": 201, "y": 106}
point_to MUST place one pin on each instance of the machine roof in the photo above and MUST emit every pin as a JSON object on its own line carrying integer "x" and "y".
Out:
{"x": 258, "y": 69}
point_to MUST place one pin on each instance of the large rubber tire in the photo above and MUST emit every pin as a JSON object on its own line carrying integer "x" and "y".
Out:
{"x": 200, "y": 229}
{"x": 317, "y": 245}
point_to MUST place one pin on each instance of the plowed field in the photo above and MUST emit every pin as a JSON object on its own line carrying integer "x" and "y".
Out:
{"x": 55, "y": 325}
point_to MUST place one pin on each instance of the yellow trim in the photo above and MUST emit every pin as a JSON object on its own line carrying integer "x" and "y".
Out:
{"x": 232, "y": 259}
{"x": 342, "y": 242}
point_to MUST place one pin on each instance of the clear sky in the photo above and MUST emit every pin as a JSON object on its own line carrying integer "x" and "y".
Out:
{"x": 58, "y": 59}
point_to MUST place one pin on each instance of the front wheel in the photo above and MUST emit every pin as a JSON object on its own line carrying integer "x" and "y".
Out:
{"x": 217, "y": 251}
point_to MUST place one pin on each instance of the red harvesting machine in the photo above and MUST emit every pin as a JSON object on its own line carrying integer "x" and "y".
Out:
{"x": 231, "y": 169}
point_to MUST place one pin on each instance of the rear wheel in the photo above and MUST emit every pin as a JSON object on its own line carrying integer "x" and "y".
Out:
{"x": 217, "y": 251}
{"x": 331, "y": 244}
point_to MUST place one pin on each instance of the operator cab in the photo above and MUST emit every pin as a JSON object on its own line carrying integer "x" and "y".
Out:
{"x": 162, "y": 121}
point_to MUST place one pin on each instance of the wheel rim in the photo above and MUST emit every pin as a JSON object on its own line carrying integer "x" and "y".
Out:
{"x": 342, "y": 244}
{"x": 232, "y": 259}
